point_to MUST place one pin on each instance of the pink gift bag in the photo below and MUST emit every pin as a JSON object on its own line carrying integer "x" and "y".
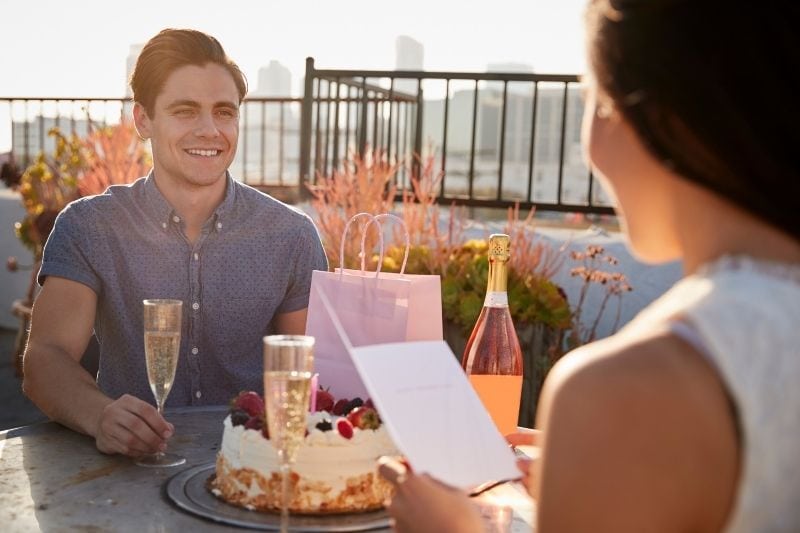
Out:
{"x": 374, "y": 308}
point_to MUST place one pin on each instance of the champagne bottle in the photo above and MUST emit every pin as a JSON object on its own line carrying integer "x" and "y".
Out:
{"x": 493, "y": 358}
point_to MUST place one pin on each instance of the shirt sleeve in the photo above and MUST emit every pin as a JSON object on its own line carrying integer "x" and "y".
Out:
{"x": 69, "y": 248}
{"x": 310, "y": 256}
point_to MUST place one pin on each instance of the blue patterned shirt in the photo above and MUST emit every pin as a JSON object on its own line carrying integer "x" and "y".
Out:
{"x": 253, "y": 259}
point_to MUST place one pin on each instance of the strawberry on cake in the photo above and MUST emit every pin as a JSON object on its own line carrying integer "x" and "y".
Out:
{"x": 335, "y": 470}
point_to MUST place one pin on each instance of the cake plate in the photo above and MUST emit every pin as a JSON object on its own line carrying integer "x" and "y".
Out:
{"x": 187, "y": 490}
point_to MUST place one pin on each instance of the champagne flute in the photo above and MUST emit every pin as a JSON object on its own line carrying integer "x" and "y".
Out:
{"x": 288, "y": 365}
{"x": 162, "y": 342}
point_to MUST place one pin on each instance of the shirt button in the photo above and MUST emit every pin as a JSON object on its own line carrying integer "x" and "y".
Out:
{"x": 176, "y": 219}
{"x": 164, "y": 225}
{"x": 198, "y": 394}
{"x": 196, "y": 257}
{"x": 219, "y": 225}
{"x": 195, "y": 306}
{"x": 195, "y": 350}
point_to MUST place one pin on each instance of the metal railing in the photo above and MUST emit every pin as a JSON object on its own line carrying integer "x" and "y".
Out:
{"x": 268, "y": 131}
{"x": 498, "y": 139}
{"x": 29, "y": 120}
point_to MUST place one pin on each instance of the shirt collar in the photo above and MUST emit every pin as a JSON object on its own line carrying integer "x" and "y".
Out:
{"x": 156, "y": 203}
{"x": 164, "y": 213}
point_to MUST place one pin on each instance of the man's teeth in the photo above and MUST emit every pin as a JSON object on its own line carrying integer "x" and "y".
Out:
{"x": 204, "y": 153}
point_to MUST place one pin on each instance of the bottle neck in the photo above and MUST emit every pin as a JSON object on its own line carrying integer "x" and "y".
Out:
{"x": 497, "y": 286}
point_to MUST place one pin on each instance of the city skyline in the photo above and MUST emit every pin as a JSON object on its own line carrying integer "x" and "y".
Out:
{"x": 55, "y": 49}
{"x": 59, "y": 50}
{"x": 269, "y": 133}
{"x": 270, "y": 44}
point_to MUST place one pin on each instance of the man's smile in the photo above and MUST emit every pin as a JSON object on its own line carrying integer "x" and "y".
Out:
{"x": 203, "y": 153}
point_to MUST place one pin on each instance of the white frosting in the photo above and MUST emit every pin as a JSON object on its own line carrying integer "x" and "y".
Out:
{"x": 324, "y": 457}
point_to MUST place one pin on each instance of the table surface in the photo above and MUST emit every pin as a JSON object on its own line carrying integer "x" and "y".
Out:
{"x": 53, "y": 479}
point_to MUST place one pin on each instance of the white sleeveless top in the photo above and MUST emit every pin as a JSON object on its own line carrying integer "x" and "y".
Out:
{"x": 745, "y": 316}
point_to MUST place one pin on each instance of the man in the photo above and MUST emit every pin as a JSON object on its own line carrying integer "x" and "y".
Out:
{"x": 239, "y": 260}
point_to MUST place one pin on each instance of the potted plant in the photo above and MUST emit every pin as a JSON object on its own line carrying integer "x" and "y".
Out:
{"x": 547, "y": 324}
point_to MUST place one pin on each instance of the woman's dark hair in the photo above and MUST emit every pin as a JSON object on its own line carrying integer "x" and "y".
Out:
{"x": 711, "y": 88}
{"x": 170, "y": 50}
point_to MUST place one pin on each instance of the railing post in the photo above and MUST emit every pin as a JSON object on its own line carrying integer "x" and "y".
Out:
{"x": 471, "y": 175}
{"x": 306, "y": 110}
{"x": 561, "y": 145}
{"x": 415, "y": 162}
{"x": 362, "y": 128}
{"x": 502, "y": 143}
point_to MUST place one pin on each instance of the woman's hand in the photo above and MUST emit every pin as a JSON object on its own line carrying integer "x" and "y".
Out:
{"x": 422, "y": 504}
{"x": 530, "y": 439}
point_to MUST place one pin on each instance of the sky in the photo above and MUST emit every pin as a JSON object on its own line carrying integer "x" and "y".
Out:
{"x": 52, "y": 48}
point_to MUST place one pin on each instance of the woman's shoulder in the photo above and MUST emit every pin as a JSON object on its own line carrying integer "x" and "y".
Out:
{"x": 652, "y": 354}
{"x": 656, "y": 368}
{"x": 639, "y": 418}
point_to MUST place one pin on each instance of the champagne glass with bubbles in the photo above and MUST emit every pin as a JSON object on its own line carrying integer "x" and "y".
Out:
{"x": 288, "y": 365}
{"x": 162, "y": 342}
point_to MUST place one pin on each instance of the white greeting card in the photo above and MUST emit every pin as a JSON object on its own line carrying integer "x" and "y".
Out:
{"x": 433, "y": 414}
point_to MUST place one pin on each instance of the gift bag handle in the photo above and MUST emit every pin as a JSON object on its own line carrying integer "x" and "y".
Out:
{"x": 376, "y": 220}
{"x": 363, "y": 235}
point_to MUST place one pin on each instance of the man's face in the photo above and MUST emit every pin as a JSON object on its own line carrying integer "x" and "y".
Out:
{"x": 195, "y": 126}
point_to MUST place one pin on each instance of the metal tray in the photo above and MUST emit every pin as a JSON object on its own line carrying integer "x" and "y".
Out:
{"x": 187, "y": 490}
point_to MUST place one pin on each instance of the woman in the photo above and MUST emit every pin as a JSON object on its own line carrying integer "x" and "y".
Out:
{"x": 689, "y": 418}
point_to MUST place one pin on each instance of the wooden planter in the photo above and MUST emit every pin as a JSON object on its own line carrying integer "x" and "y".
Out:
{"x": 536, "y": 341}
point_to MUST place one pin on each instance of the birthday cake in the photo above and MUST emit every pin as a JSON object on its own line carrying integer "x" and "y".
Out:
{"x": 335, "y": 469}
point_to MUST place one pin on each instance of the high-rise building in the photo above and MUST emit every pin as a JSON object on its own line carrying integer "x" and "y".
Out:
{"x": 274, "y": 80}
{"x": 409, "y": 55}
{"x": 268, "y": 130}
{"x": 517, "y": 131}
{"x": 130, "y": 64}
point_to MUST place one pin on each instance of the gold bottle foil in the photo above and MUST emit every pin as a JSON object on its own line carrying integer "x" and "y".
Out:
{"x": 499, "y": 254}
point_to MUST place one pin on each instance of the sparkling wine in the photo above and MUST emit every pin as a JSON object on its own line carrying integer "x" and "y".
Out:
{"x": 493, "y": 358}
{"x": 162, "y": 341}
{"x": 287, "y": 394}
{"x": 161, "y": 350}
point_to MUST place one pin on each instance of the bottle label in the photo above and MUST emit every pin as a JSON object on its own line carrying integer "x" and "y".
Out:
{"x": 501, "y": 396}
{"x": 496, "y": 299}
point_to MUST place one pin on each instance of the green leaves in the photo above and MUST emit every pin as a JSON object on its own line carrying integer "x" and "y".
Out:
{"x": 46, "y": 186}
{"x": 532, "y": 299}
{"x": 469, "y": 308}
{"x": 451, "y": 295}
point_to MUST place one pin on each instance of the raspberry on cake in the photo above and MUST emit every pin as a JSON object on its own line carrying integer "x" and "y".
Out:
{"x": 335, "y": 470}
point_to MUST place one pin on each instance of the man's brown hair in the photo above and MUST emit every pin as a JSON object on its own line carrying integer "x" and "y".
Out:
{"x": 170, "y": 50}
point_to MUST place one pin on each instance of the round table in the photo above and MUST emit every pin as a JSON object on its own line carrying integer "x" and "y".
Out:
{"x": 54, "y": 479}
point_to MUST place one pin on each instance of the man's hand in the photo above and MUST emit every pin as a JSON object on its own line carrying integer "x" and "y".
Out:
{"x": 422, "y": 504}
{"x": 132, "y": 427}
{"x": 61, "y": 326}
